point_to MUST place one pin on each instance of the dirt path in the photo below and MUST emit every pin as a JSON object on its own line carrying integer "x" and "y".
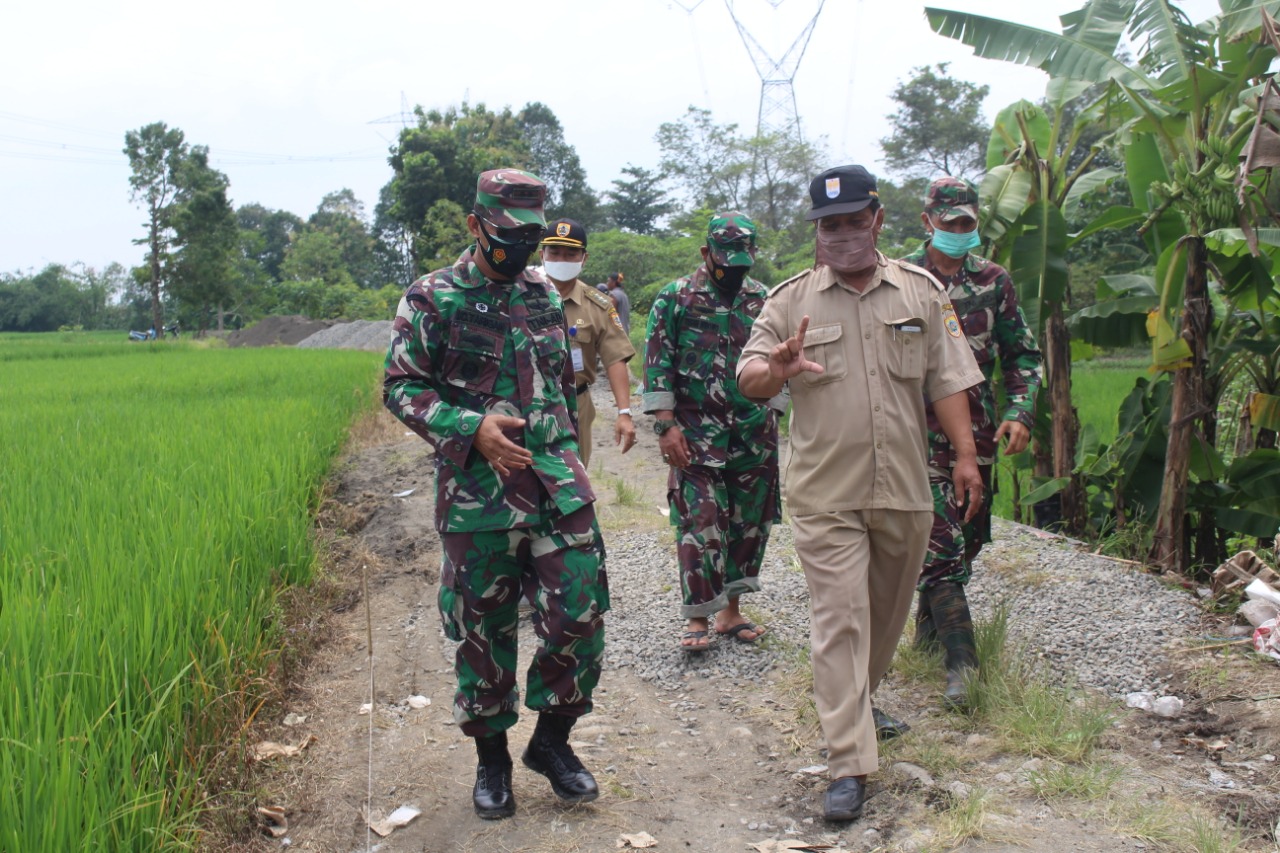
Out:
{"x": 708, "y": 767}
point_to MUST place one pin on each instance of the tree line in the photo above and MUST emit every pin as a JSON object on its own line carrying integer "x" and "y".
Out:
{"x": 1133, "y": 204}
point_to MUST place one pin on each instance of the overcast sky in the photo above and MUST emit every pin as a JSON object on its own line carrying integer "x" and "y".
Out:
{"x": 296, "y": 100}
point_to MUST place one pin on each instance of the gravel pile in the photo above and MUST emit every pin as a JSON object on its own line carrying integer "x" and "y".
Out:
{"x": 1091, "y": 620}
{"x": 374, "y": 335}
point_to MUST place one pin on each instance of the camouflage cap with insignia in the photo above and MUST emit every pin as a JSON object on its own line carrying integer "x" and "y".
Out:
{"x": 950, "y": 198}
{"x": 731, "y": 236}
{"x": 510, "y": 198}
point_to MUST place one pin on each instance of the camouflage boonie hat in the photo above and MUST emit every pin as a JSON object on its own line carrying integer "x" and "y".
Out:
{"x": 510, "y": 198}
{"x": 951, "y": 198}
{"x": 730, "y": 237}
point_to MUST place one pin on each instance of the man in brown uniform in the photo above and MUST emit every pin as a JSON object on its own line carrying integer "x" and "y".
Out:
{"x": 857, "y": 484}
{"x": 594, "y": 330}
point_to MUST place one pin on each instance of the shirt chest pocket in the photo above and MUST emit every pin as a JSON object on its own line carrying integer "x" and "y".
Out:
{"x": 474, "y": 358}
{"x": 825, "y": 346}
{"x": 902, "y": 342}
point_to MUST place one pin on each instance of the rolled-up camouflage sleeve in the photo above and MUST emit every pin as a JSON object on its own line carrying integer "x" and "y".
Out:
{"x": 659, "y": 352}
{"x": 1020, "y": 359}
{"x": 410, "y": 386}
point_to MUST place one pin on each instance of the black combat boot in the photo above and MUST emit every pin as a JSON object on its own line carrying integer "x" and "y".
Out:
{"x": 549, "y": 753}
{"x": 492, "y": 794}
{"x": 954, "y": 625}
{"x": 926, "y": 634}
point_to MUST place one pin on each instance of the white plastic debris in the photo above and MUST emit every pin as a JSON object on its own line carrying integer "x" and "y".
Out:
{"x": 418, "y": 702}
{"x": 1143, "y": 700}
{"x": 1266, "y": 638}
{"x": 1167, "y": 706}
{"x": 1259, "y": 590}
{"x": 366, "y": 708}
{"x": 637, "y": 840}
{"x": 1256, "y": 611}
{"x": 404, "y": 494}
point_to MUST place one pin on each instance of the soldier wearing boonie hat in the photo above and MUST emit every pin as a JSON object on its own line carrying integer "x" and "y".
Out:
{"x": 722, "y": 448}
{"x": 479, "y": 367}
{"x": 595, "y": 332}
{"x": 986, "y": 304}
{"x": 883, "y": 336}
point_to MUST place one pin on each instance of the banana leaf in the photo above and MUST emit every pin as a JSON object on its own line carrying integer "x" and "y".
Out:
{"x": 1061, "y": 56}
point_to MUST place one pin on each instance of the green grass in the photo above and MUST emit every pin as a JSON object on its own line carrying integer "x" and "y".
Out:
{"x": 1098, "y": 388}
{"x": 151, "y": 505}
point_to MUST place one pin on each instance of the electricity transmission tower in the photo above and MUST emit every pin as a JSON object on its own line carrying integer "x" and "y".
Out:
{"x": 778, "y": 113}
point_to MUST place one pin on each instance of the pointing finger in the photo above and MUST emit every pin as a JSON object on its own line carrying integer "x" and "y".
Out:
{"x": 804, "y": 327}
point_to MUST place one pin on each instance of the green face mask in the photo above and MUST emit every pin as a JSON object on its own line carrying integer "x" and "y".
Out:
{"x": 955, "y": 245}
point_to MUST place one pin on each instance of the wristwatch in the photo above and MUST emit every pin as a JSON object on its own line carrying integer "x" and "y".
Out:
{"x": 661, "y": 426}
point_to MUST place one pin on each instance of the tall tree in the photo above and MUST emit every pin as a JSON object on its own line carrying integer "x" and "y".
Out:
{"x": 341, "y": 215}
{"x": 637, "y": 200}
{"x": 708, "y": 161}
{"x": 556, "y": 162}
{"x": 717, "y": 168}
{"x": 268, "y": 234}
{"x": 441, "y": 156}
{"x": 155, "y": 153}
{"x": 938, "y": 127}
{"x": 204, "y": 271}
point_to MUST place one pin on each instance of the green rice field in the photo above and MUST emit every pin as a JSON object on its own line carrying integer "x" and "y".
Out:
{"x": 153, "y": 500}
{"x": 1097, "y": 389}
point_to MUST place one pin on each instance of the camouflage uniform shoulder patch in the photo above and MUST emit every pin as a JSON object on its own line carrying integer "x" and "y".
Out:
{"x": 797, "y": 277}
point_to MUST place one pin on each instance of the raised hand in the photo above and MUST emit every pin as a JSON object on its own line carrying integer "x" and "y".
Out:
{"x": 787, "y": 358}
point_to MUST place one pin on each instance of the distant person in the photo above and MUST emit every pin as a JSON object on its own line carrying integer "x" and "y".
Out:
{"x": 883, "y": 335}
{"x": 620, "y": 301}
{"x": 722, "y": 447}
{"x": 986, "y": 302}
{"x": 479, "y": 368}
{"x": 595, "y": 333}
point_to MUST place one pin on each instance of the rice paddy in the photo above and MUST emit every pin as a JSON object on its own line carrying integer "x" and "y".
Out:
{"x": 153, "y": 499}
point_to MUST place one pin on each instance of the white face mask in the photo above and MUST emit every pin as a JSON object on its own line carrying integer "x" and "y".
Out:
{"x": 562, "y": 270}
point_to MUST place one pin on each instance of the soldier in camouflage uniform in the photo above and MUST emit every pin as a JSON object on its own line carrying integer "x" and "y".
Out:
{"x": 722, "y": 448}
{"x": 595, "y": 333}
{"x": 479, "y": 367}
{"x": 985, "y": 300}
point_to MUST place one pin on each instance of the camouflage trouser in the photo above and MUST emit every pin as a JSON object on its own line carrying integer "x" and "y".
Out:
{"x": 722, "y": 518}
{"x": 559, "y": 566}
{"x": 952, "y": 543}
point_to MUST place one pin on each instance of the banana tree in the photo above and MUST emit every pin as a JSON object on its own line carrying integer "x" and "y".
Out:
{"x": 1179, "y": 104}
{"x": 1032, "y": 175}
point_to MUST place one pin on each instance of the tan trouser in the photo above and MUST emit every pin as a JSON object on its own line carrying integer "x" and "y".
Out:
{"x": 861, "y": 567}
{"x": 586, "y": 414}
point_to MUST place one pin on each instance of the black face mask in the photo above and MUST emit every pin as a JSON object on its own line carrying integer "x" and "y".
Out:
{"x": 508, "y": 259}
{"x": 728, "y": 280}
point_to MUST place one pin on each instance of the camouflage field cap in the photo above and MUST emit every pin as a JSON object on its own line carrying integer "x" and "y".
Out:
{"x": 565, "y": 232}
{"x": 731, "y": 236}
{"x": 951, "y": 198}
{"x": 510, "y": 198}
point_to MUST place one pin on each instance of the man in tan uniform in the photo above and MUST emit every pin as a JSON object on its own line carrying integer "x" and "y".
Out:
{"x": 595, "y": 330}
{"x": 884, "y": 337}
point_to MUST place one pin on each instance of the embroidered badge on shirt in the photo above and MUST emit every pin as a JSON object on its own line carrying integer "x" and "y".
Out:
{"x": 950, "y": 320}
{"x": 617, "y": 321}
